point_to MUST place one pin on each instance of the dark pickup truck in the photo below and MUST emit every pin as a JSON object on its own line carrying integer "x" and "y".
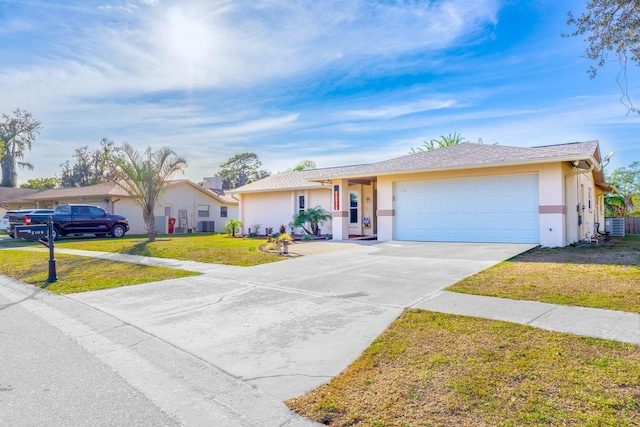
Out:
{"x": 78, "y": 219}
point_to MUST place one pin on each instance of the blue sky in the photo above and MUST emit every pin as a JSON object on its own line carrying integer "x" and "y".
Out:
{"x": 337, "y": 82}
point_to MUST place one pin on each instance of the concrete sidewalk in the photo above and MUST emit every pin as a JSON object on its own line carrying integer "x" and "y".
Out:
{"x": 589, "y": 322}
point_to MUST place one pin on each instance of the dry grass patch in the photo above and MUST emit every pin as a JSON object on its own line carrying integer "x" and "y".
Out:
{"x": 80, "y": 274}
{"x": 439, "y": 369}
{"x": 605, "y": 276}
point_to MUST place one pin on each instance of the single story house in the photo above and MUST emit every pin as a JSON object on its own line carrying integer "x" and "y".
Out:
{"x": 14, "y": 198}
{"x": 193, "y": 207}
{"x": 549, "y": 195}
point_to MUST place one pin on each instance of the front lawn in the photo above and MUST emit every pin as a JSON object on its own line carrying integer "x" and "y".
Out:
{"x": 432, "y": 369}
{"x": 210, "y": 248}
{"x": 603, "y": 276}
{"x": 80, "y": 274}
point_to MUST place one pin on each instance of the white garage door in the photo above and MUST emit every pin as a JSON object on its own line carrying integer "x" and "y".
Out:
{"x": 488, "y": 209}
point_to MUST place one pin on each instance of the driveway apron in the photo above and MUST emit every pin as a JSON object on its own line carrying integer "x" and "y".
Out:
{"x": 289, "y": 326}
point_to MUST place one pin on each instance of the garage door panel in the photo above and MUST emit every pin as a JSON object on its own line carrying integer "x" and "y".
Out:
{"x": 488, "y": 209}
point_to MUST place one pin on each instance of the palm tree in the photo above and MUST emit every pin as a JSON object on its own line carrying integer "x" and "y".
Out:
{"x": 444, "y": 141}
{"x": 313, "y": 216}
{"x": 17, "y": 133}
{"x": 305, "y": 165}
{"x": 143, "y": 177}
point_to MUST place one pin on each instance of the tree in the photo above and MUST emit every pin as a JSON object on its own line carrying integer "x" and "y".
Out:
{"x": 313, "y": 216}
{"x": 610, "y": 26}
{"x": 17, "y": 134}
{"x": 627, "y": 181}
{"x": 305, "y": 165}
{"x": 232, "y": 227}
{"x": 241, "y": 169}
{"x": 444, "y": 141}
{"x": 143, "y": 177}
{"x": 41, "y": 183}
{"x": 90, "y": 167}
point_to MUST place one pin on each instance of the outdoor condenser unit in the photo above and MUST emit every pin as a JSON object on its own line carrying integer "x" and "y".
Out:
{"x": 206, "y": 226}
{"x": 614, "y": 226}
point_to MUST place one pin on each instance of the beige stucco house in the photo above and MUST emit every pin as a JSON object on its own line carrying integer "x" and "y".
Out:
{"x": 550, "y": 195}
{"x": 194, "y": 207}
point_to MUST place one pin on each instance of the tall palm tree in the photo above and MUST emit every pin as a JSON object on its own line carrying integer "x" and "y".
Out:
{"x": 17, "y": 133}
{"x": 443, "y": 141}
{"x": 143, "y": 177}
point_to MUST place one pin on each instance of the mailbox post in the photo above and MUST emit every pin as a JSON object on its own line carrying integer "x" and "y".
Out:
{"x": 43, "y": 234}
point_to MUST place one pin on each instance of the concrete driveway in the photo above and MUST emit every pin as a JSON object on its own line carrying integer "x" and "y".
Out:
{"x": 289, "y": 326}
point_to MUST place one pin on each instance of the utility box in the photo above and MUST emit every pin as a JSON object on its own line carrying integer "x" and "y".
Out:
{"x": 614, "y": 226}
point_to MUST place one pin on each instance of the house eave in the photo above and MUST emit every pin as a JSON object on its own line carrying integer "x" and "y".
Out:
{"x": 590, "y": 159}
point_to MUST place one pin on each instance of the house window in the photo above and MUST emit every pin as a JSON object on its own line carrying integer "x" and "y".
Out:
{"x": 167, "y": 211}
{"x": 589, "y": 197}
{"x": 203, "y": 211}
{"x": 223, "y": 211}
{"x": 300, "y": 204}
{"x": 353, "y": 208}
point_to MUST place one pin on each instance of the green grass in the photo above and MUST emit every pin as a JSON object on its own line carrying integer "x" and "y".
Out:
{"x": 80, "y": 274}
{"x": 438, "y": 369}
{"x": 210, "y": 248}
{"x": 605, "y": 276}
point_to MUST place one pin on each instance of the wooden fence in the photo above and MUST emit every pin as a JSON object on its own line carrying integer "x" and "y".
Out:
{"x": 632, "y": 225}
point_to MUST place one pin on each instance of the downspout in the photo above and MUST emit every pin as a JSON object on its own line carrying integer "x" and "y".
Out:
{"x": 576, "y": 173}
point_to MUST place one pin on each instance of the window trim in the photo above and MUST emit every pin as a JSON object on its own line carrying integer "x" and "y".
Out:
{"x": 354, "y": 204}
{"x": 202, "y": 213}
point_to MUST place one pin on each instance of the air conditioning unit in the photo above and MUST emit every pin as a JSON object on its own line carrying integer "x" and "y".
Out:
{"x": 614, "y": 226}
{"x": 206, "y": 226}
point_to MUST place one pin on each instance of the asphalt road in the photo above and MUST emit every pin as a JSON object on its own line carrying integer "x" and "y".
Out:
{"x": 46, "y": 378}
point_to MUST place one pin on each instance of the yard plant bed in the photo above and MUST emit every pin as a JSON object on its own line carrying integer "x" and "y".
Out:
{"x": 600, "y": 276}
{"x": 81, "y": 274}
{"x": 439, "y": 369}
{"x": 210, "y": 248}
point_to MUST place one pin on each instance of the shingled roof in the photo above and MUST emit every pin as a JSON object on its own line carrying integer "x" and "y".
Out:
{"x": 466, "y": 155}
{"x": 112, "y": 189}
{"x": 469, "y": 155}
{"x": 99, "y": 190}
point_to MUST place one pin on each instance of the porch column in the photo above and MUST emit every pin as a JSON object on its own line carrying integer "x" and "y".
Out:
{"x": 340, "y": 209}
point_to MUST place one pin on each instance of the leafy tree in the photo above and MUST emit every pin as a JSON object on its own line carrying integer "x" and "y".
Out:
{"x": 41, "y": 183}
{"x": 143, "y": 177}
{"x": 313, "y": 216}
{"x": 90, "y": 167}
{"x": 627, "y": 181}
{"x": 610, "y": 26}
{"x": 241, "y": 169}
{"x": 443, "y": 141}
{"x": 305, "y": 165}
{"x": 232, "y": 227}
{"x": 17, "y": 134}
{"x": 615, "y": 205}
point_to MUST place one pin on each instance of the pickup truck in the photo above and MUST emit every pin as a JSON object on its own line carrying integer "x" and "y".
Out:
{"x": 16, "y": 217}
{"x": 78, "y": 219}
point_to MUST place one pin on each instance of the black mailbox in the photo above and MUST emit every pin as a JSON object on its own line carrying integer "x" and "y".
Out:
{"x": 32, "y": 232}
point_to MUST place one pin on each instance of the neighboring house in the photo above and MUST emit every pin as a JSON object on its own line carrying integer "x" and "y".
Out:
{"x": 194, "y": 208}
{"x": 14, "y": 198}
{"x": 550, "y": 195}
